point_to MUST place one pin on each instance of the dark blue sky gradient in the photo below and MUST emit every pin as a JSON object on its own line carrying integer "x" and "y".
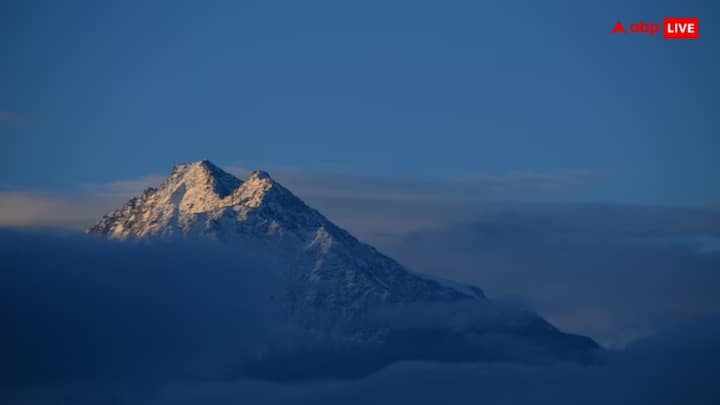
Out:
{"x": 100, "y": 92}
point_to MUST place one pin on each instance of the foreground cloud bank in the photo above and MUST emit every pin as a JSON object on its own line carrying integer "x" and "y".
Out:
{"x": 88, "y": 321}
{"x": 679, "y": 366}
{"x": 80, "y": 310}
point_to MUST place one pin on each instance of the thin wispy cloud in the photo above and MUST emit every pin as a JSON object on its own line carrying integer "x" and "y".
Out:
{"x": 125, "y": 187}
{"x": 364, "y": 204}
{"x": 561, "y": 180}
{"x": 29, "y": 209}
{"x": 515, "y": 185}
{"x": 8, "y": 116}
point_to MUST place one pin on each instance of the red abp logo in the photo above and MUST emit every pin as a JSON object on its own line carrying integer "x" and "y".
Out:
{"x": 673, "y": 28}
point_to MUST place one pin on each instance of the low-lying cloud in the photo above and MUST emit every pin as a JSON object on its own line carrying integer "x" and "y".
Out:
{"x": 678, "y": 366}
{"x": 9, "y": 116}
{"x": 613, "y": 272}
{"x": 88, "y": 321}
{"x": 78, "y": 309}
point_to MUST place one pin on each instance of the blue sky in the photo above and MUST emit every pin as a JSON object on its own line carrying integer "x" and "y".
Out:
{"x": 95, "y": 93}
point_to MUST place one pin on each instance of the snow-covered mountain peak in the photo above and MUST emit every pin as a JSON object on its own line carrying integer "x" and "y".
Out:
{"x": 204, "y": 177}
{"x": 260, "y": 188}
{"x": 332, "y": 279}
{"x": 200, "y": 200}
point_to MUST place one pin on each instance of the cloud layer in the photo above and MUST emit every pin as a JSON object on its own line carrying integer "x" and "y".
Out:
{"x": 363, "y": 204}
{"x": 679, "y": 365}
{"x": 88, "y": 321}
{"x": 613, "y": 272}
{"x": 81, "y": 309}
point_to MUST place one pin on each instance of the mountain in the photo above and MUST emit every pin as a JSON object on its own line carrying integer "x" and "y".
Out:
{"x": 336, "y": 281}
{"x": 201, "y": 200}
